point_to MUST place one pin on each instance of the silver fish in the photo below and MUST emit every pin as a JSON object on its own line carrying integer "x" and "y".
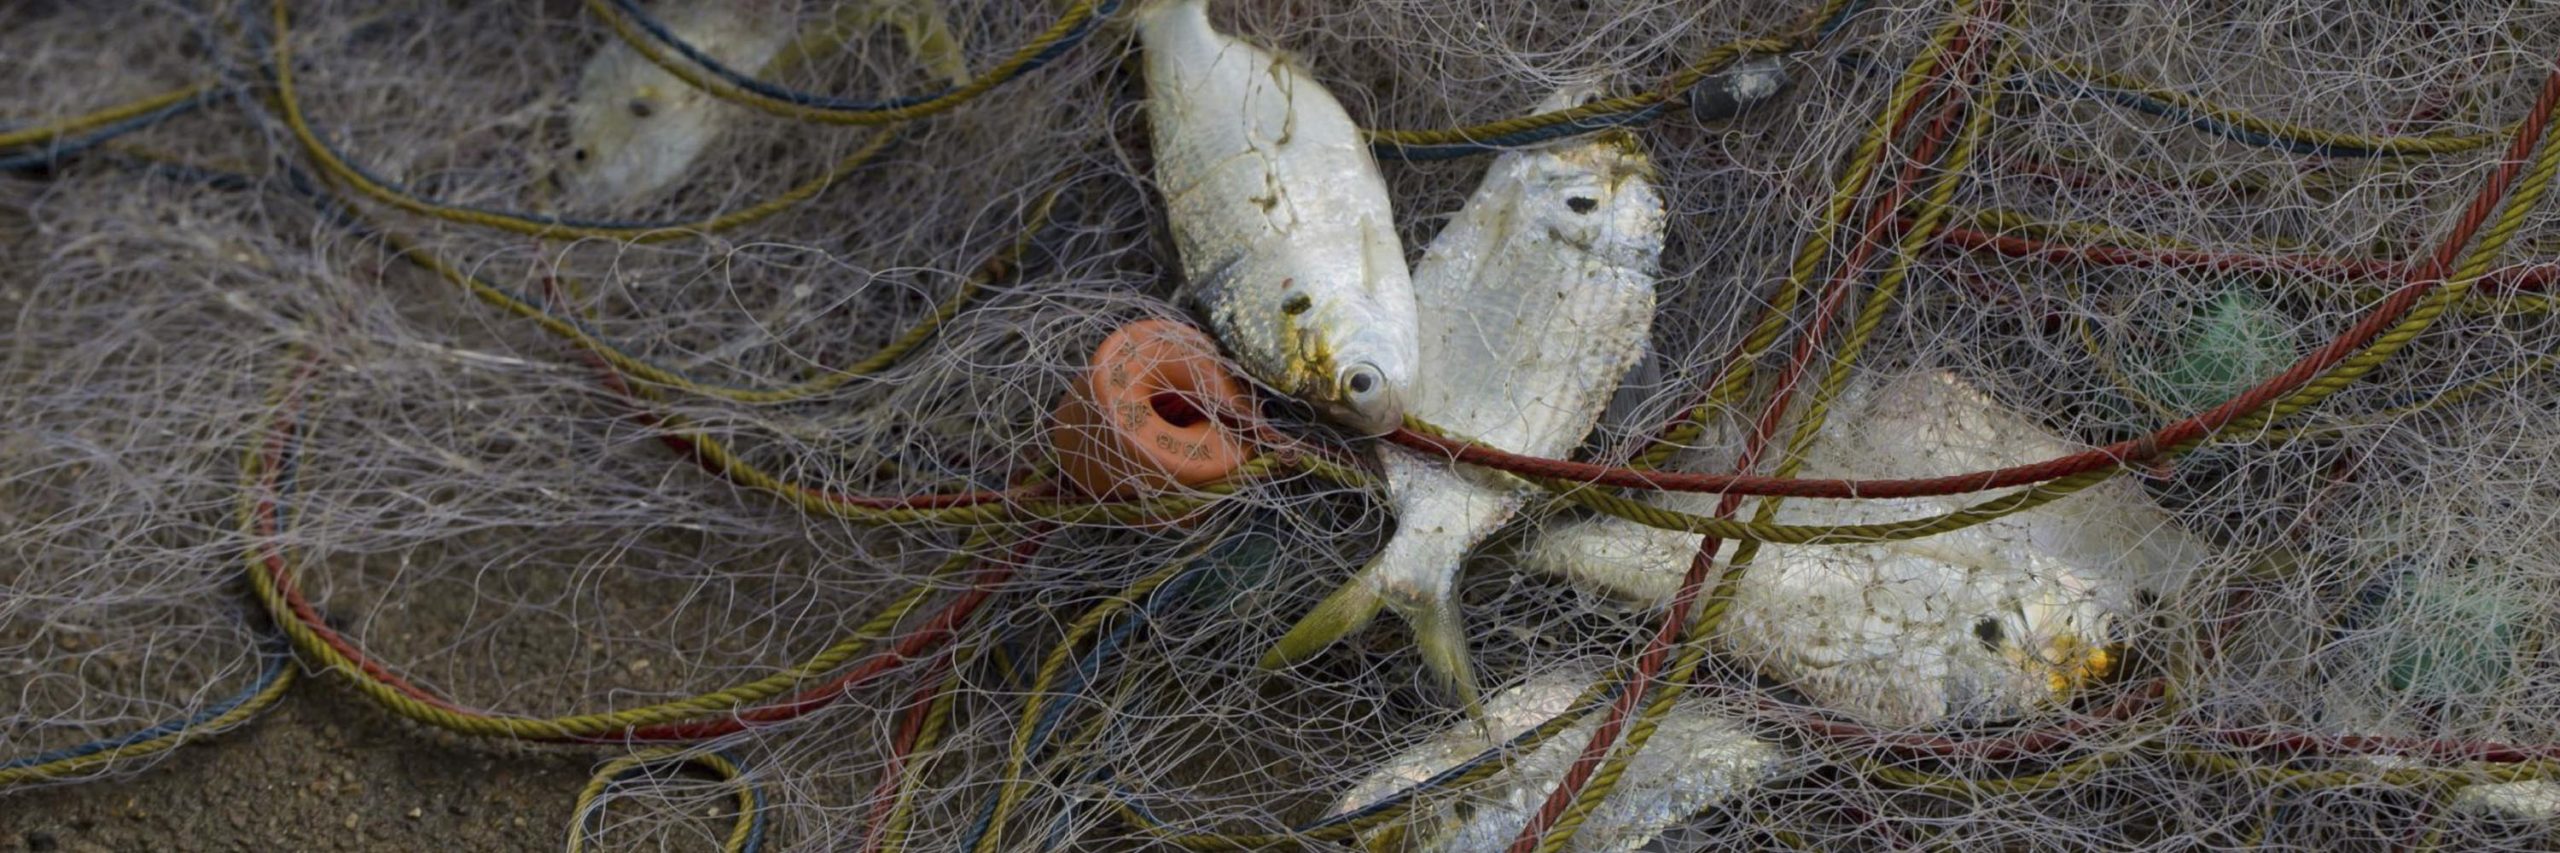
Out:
{"x": 1694, "y": 760}
{"x": 1280, "y": 215}
{"x": 636, "y": 130}
{"x": 1535, "y": 300}
{"x": 1993, "y": 620}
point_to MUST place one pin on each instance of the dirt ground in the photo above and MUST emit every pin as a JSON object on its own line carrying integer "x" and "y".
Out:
{"x": 323, "y": 770}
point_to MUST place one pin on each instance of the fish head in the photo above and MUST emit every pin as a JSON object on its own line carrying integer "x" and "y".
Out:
{"x": 1370, "y": 370}
{"x": 2030, "y": 647}
{"x": 1597, "y": 195}
{"x": 1338, "y": 333}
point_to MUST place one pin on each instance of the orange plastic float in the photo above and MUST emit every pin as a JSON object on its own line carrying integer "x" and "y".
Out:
{"x": 1140, "y": 421}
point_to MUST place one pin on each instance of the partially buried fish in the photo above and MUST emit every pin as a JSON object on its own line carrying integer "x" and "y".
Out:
{"x": 1281, "y": 218}
{"x": 636, "y": 130}
{"x": 1535, "y": 301}
{"x": 1694, "y": 760}
{"x": 1993, "y": 620}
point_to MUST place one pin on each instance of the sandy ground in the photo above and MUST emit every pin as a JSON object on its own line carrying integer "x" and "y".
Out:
{"x": 323, "y": 770}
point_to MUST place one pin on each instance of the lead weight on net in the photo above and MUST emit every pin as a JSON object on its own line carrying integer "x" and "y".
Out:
{"x": 1739, "y": 89}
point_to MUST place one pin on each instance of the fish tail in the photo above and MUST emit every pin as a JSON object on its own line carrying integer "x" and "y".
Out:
{"x": 1348, "y": 609}
{"x": 1440, "y": 633}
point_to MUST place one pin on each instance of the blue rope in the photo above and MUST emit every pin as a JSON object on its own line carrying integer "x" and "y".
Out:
{"x": 1521, "y": 139}
{"x": 277, "y": 661}
{"x": 659, "y": 33}
{"x": 1104, "y": 650}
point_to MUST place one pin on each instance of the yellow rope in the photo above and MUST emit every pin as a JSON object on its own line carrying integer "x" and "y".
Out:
{"x": 1719, "y": 600}
{"x": 589, "y": 798}
{"x": 889, "y": 354}
{"x": 2431, "y": 144}
{"x": 289, "y": 104}
{"x": 893, "y": 832}
{"x": 1067, "y": 24}
{"x": 1015, "y": 785}
{"x": 1714, "y": 60}
{"x": 77, "y": 124}
{"x": 258, "y": 702}
{"x": 1808, "y": 260}
{"x": 269, "y": 594}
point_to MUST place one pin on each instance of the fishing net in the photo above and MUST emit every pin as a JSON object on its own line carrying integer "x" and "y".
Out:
{"x": 330, "y": 369}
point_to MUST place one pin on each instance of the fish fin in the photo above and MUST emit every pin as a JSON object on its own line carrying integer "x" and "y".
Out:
{"x": 1348, "y": 609}
{"x": 926, "y": 27}
{"x": 1209, "y": 288}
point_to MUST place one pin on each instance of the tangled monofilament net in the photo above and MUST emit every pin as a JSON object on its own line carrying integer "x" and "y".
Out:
{"x": 486, "y": 509}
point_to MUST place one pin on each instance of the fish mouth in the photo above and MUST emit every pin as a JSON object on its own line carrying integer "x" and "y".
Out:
{"x": 2070, "y": 663}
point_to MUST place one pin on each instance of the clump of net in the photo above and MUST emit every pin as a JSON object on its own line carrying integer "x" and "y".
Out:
{"x": 316, "y": 380}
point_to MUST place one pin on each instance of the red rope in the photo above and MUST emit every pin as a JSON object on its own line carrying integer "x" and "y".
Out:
{"x": 1648, "y": 666}
{"x": 884, "y": 797}
{"x": 2421, "y": 280}
{"x": 2516, "y": 278}
{"x": 940, "y": 626}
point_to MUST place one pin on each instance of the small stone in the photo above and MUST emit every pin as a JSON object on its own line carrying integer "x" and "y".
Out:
{"x": 40, "y": 841}
{"x": 350, "y": 822}
{"x": 415, "y": 813}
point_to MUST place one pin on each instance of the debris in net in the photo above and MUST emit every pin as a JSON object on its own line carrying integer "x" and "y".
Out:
{"x": 634, "y": 129}
{"x": 1722, "y": 96}
{"x": 1994, "y": 620}
{"x": 1288, "y": 245}
{"x": 2425, "y": 648}
{"x": 2237, "y": 342}
{"x": 1534, "y": 300}
{"x": 1694, "y": 760}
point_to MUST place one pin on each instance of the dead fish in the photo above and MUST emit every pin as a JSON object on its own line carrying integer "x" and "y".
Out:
{"x": 1998, "y": 619}
{"x": 1534, "y": 301}
{"x": 1694, "y": 760}
{"x": 636, "y": 130}
{"x": 1281, "y": 218}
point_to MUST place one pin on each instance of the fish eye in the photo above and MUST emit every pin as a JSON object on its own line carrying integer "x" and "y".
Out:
{"x": 579, "y": 155}
{"x": 1988, "y": 631}
{"x": 1362, "y": 380}
{"x": 641, "y": 108}
{"x": 1582, "y": 204}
